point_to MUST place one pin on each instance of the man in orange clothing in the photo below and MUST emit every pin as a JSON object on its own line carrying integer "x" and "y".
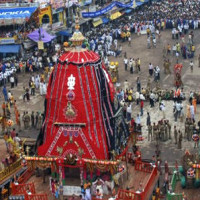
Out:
{"x": 17, "y": 119}
{"x": 194, "y": 103}
{"x": 4, "y": 108}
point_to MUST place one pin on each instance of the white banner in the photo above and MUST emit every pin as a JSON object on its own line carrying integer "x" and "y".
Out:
{"x": 69, "y": 3}
{"x": 71, "y": 190}
{"x": 7, "y": 41}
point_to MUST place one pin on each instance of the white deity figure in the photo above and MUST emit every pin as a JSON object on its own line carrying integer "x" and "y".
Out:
{"x": 71, "y": 82}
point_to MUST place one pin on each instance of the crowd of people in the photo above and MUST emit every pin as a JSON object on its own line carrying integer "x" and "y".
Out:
{"x": 162, "y": 130}
{"x": 33, "y": 120}
{"x": 106, "y": 41}
{"x": 18, "y": 33}
{"x": 7, "y": 34}
{"x": 149, "y": 18}
{"x": 7, "y": 161}
{"x": 12, "y": 142}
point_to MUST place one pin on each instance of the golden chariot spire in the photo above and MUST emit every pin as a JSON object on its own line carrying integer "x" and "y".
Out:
{"x": 77, "y": 37}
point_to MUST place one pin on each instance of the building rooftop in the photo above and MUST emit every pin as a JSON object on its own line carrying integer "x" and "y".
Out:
{"x": 15, "y": 4}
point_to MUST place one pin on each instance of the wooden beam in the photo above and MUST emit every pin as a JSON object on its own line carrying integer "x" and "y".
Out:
{"x": 69, "y": 124}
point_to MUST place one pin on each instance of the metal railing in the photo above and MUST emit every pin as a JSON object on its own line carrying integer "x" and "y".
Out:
{"x": 144, "y": 167}
{"x": 36, "y": 197}
{"x": 22, "y": 188}
{"x": 5, "y": 173}
{"x": 26, "y": 175}
{"x": 174, "y": 180}
{"x": 150, "y": 181}
{"x": 174, "y": 196}
{"x": 128, "y": 195}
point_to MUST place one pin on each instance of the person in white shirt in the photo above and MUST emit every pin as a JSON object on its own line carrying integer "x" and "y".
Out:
{"x": 131, "y": 65}
{"x": 154, "y": 42}
{"x": 17, "y": 140}
{"x": 41, "y": 88}
{"x": 195, "y": 24}
{"x": 192, "y": 113}
{"x": 158, "y": 71}
{"x": 152, "y": 99}
{"x": 174, "y": 50}
{"x": 37, "y": 81}
{"x": 106, "y": 60}
{"x": 142, "y": 97}
{"x": 12, "y": 81}
{"x": 156, "y": 74}
{"x": 138, "y": 120}
{"x": 115, "y": 43}
{"x": 191, "y": 66}
{"x": 33, "y": 78}
{"x": 190, "y": 39}
{"x": 125, "y": 64}
{"x": 129, "y": 41}
{"x": 180, "y": 30}
{"x": 137, "y": 97}
{"x": 88, "y": 194}
{"x": 177, "y": 56}
{"x": 150, "y": 69}
{"x": 44, "y": 88}
{"x": 8, "y": 72}
{"x": 9, "y": 94}
{"x": 162, "y": 108}
{"x": 129, "y": 112}
{"x": 173, "y": 33}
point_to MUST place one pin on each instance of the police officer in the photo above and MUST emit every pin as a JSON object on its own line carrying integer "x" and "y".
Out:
{"x": 150, "y": 131}
{"x": 162, "y": 131}
{"x": 175, "y": 134}
{"x": 169, "y": 129}
{"x": 166, "y": 131}
{"x": 154, "y": 131}
{"x": 186, "y": 128}
{"x": 180, "y": 139}
{"x": 191, "y": 129}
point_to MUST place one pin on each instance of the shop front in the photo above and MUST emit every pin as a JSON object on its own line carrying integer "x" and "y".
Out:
{"x": 10, "y": 50}
{"x": 10, "y": 40}
{"x": 45, "y": 16}
{"x": 10, "y": 16}
{"x": 58, "y": 21}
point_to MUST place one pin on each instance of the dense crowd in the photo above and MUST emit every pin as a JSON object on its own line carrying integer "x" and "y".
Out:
{"x": 180, "y": 16}
{"x": 104, "y": 39}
